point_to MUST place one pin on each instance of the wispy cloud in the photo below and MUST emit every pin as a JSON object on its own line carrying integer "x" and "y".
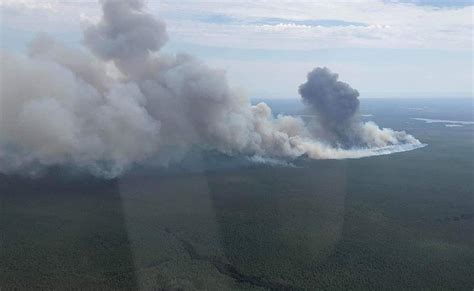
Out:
{"x": 224, "y": 19}
{"x": 389, "y": 48}
{"x": 319, "y": 24}
{"x": 296, "y": 25}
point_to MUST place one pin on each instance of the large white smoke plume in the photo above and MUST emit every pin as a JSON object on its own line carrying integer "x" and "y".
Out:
{"x": 127, "y": 103}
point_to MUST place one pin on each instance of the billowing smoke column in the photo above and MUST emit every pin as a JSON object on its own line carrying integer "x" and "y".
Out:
{"x": 334, "y": 102}
{"x": 129, "y": 104}
{"x": 336, "y": 105}
{"x": 125, "y": 35}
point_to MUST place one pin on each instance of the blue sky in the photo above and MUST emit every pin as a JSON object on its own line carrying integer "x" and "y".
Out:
{"x": 382, "y": 48}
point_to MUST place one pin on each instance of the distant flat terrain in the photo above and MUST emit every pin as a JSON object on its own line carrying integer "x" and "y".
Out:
{"x": 401, "y": 221}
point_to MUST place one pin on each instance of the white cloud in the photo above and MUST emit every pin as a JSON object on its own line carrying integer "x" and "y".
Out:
{"x": 458, "y": 122}
{"x": 388, "y": 25}
{"x": 242, "y": 26}
{"x": 31, "y": 4}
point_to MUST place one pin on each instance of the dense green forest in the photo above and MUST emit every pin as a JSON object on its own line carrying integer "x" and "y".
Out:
{"x": 401, "y": 221}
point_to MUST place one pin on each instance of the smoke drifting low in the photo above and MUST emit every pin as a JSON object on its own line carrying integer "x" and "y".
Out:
{"x": 127, "y": 103}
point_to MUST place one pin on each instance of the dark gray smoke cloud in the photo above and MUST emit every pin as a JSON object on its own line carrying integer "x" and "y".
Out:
{"x": 128, "y": 103}
{"x": 336, "y": 106}
{"x": 334, "y": 102}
